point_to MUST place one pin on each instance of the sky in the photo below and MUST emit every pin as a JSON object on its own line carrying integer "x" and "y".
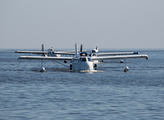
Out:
{"x": 62, "y": 23}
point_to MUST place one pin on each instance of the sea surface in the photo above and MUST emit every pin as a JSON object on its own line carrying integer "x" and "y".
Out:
{"x": 58, "y": 94}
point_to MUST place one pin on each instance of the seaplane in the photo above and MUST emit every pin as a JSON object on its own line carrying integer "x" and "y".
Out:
{"x": 95, "y": 53}
{"x": 82, "y": 61}
{"x": 50, "y": 52}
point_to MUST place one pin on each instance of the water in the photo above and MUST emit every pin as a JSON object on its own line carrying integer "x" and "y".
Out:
{"x": 59, "y": 94}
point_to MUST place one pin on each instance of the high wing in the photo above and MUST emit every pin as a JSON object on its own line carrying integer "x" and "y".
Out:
{"x": 120, "y": 57}
{"x": 45, "y": 58}
{"x": 117, "y": 53}
{"x": 34, "y": 52}
{"x": 46, "y": 52}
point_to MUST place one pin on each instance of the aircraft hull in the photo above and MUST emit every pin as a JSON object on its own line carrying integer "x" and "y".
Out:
{"x": 81, "y": 66}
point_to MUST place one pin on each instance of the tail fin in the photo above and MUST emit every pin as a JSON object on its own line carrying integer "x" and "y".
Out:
{"x": 42, "y": 47}
{"x": 76, "y": 50}
{"x": 81, "y": 48}
{"x": 97, "y": 48}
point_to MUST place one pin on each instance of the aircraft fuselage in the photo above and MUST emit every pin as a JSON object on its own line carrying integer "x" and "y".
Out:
{"x": 82, "y": 63}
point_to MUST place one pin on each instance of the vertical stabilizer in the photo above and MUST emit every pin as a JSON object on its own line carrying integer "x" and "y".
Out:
{"x": 76, "y": 50}
{"x": 97, "y": 48}
{"x": 42, "y": 47}
{"x": 81, "y": 48}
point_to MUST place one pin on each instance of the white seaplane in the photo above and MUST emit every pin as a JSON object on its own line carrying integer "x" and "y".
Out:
{"x": 96, "y": 53}
{"x": 82, "y": 61}
{"x": 50, "y": 52}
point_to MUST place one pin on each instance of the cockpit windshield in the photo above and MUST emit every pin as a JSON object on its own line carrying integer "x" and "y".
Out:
{"x": 83, "y": 59}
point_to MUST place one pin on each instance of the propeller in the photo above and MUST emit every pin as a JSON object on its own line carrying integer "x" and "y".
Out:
{"x": 81, "y": 48}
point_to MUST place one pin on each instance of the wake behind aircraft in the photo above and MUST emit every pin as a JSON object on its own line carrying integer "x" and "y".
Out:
{"x": 81, "y": 61}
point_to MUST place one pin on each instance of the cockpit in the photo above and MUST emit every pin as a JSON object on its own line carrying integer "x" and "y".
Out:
{"x": 83, "y": 54}
{"x": 93, "y": 51}
{"x": 51, "y": 49}
{"x": 92, "y": 54}
{"x": 85, "y": 59}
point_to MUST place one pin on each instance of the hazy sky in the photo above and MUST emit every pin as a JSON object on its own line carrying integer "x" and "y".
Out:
{"x": 62, "y": 23}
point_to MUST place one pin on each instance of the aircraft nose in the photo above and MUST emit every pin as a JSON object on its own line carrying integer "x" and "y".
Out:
{"x": 86, "y": 66}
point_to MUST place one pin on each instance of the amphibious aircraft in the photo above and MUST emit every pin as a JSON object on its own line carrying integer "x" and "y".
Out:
{"x": 95, "y": 52}
{"x": 81, "y": 61}
{"x": 50, "y": 52}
